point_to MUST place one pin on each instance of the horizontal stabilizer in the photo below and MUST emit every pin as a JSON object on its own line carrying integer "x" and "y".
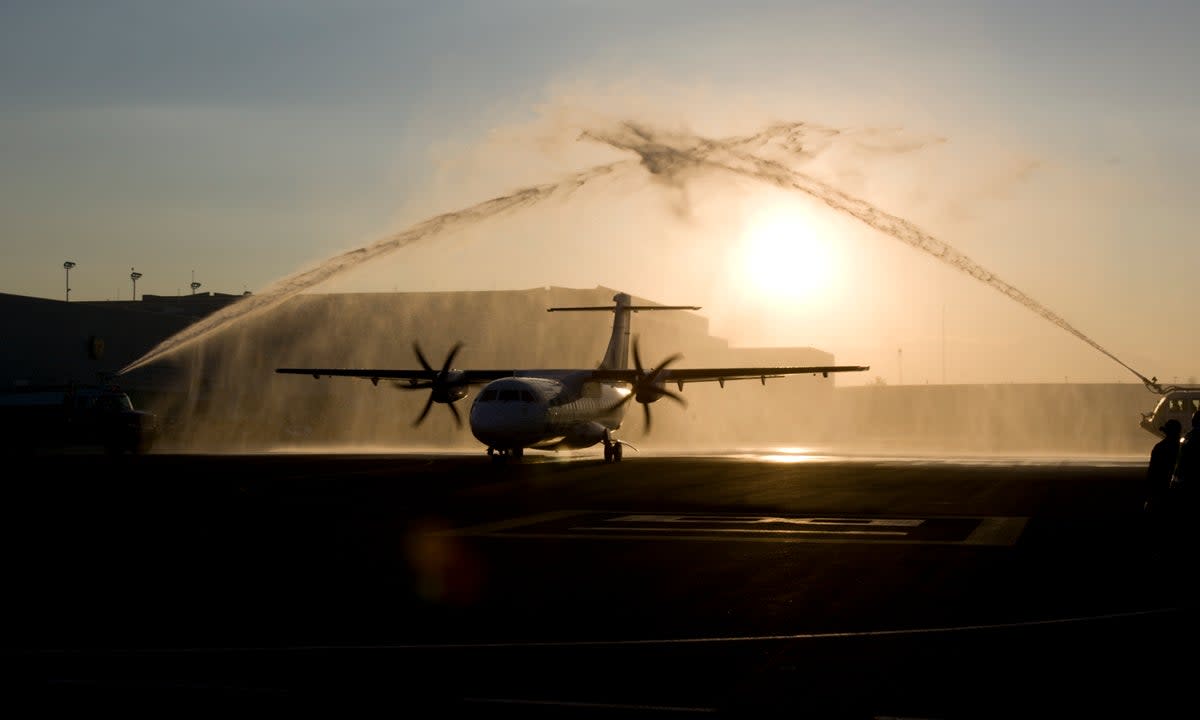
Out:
{"x": 635, "y": 308}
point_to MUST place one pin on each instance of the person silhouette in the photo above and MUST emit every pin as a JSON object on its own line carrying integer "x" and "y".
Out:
{"x": 1187, "y": 468}
{"x": 1185, "y": 485}
{"x": 1163, "y": 457}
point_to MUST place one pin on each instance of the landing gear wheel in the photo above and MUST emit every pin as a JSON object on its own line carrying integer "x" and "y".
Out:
{"x": 608, "y": 452}
{"x": 616, "y": 452}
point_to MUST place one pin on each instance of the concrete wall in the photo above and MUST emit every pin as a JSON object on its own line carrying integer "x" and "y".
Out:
{"x": 996, "y": 419}
{"x": 222, "y": 393}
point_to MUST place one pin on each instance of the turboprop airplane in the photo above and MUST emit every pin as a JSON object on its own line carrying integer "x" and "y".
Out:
{"x": 548, "y": 409}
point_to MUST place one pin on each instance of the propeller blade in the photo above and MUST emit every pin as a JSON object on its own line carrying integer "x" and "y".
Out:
{"x": 663, "y": 366}
{"x": 637, "y": 361}
{"x": 647, "y": 383}
{"x": 674, "y": 396}
{"x": 438, "y": 386}
{"x": 421, "y": 356}
{"x": 673, "y": 359}
{"x": 421, "y": 418}
{"x": 450, "y": 358}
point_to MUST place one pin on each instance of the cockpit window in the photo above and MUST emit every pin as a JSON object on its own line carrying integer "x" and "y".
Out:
{"x": 508, "y": 395}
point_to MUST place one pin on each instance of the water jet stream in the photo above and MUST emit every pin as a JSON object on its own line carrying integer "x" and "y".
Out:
{"x": 659, "y": 159}
{"x": 669, "y": 157}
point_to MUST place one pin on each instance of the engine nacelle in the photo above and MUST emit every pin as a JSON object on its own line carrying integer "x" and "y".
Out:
{"x": 649, "y": 393}
{"x": 450, "y": 387}
{"x": 585, "y": 435}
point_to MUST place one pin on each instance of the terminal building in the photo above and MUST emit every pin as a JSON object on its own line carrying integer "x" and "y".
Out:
{"x": 221, "y": 394}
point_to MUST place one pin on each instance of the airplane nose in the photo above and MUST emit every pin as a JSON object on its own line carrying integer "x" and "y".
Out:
{"x": 484, "y": 418}
{"x": 500, "y": 424}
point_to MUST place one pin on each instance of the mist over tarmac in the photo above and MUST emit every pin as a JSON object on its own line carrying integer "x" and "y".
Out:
{"x": 235, "y": 401}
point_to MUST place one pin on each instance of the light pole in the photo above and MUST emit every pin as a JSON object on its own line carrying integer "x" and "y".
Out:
{"x": 195, "y": 285}
{"x": 67, "y": 267}
{"x": 134, "y": 275}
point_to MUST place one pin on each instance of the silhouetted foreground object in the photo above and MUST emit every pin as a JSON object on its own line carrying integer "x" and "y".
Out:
{"x": 70, "y": 416}
{"x": 1185, "y": 485}
{"x": 1162, "y": 467}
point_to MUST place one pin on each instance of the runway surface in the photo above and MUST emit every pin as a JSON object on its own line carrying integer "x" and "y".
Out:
{"x": 745, "y": 583}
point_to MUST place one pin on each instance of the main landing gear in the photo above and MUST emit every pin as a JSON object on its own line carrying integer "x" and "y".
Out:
{"x": 501, "y": 454}
{"x": 612, "y": 449}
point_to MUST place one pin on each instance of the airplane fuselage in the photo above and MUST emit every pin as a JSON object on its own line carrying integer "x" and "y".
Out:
{"x": 548, "y": 412}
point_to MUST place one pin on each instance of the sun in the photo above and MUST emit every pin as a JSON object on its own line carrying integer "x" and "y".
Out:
{"x": 785, "y": 257}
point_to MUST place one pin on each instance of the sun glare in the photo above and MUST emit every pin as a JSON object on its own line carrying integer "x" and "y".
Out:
{"x": 785, "y": 258}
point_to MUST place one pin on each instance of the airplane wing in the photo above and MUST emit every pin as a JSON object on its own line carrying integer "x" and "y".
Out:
{"x": 414, "y": 377}
{"x": 690, "y": 375}
{"x": 678, "y": 376}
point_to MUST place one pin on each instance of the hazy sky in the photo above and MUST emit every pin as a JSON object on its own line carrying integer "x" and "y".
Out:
{"x": 1052, "y": 143}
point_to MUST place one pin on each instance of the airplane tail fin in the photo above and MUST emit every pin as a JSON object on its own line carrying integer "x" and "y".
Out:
{"x": 616, "y": 356}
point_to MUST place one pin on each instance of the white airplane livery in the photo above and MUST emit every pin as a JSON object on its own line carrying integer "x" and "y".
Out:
{"x": 562, "y": 409}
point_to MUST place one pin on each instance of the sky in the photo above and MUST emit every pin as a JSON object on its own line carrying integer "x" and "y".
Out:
{"x": 1050, "y": 146}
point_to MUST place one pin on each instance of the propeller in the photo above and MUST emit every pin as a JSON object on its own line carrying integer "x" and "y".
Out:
{"x": 646, "y": 388}
{"x": 445, "y": 386}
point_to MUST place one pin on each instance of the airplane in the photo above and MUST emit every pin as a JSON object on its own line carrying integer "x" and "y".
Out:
{"x": 561, "y": 409}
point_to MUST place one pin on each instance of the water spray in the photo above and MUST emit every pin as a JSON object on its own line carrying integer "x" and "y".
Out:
{"x": 668, "y": 157}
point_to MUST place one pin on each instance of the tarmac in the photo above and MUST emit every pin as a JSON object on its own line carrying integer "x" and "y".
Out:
{"x": 746, "y": 583}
